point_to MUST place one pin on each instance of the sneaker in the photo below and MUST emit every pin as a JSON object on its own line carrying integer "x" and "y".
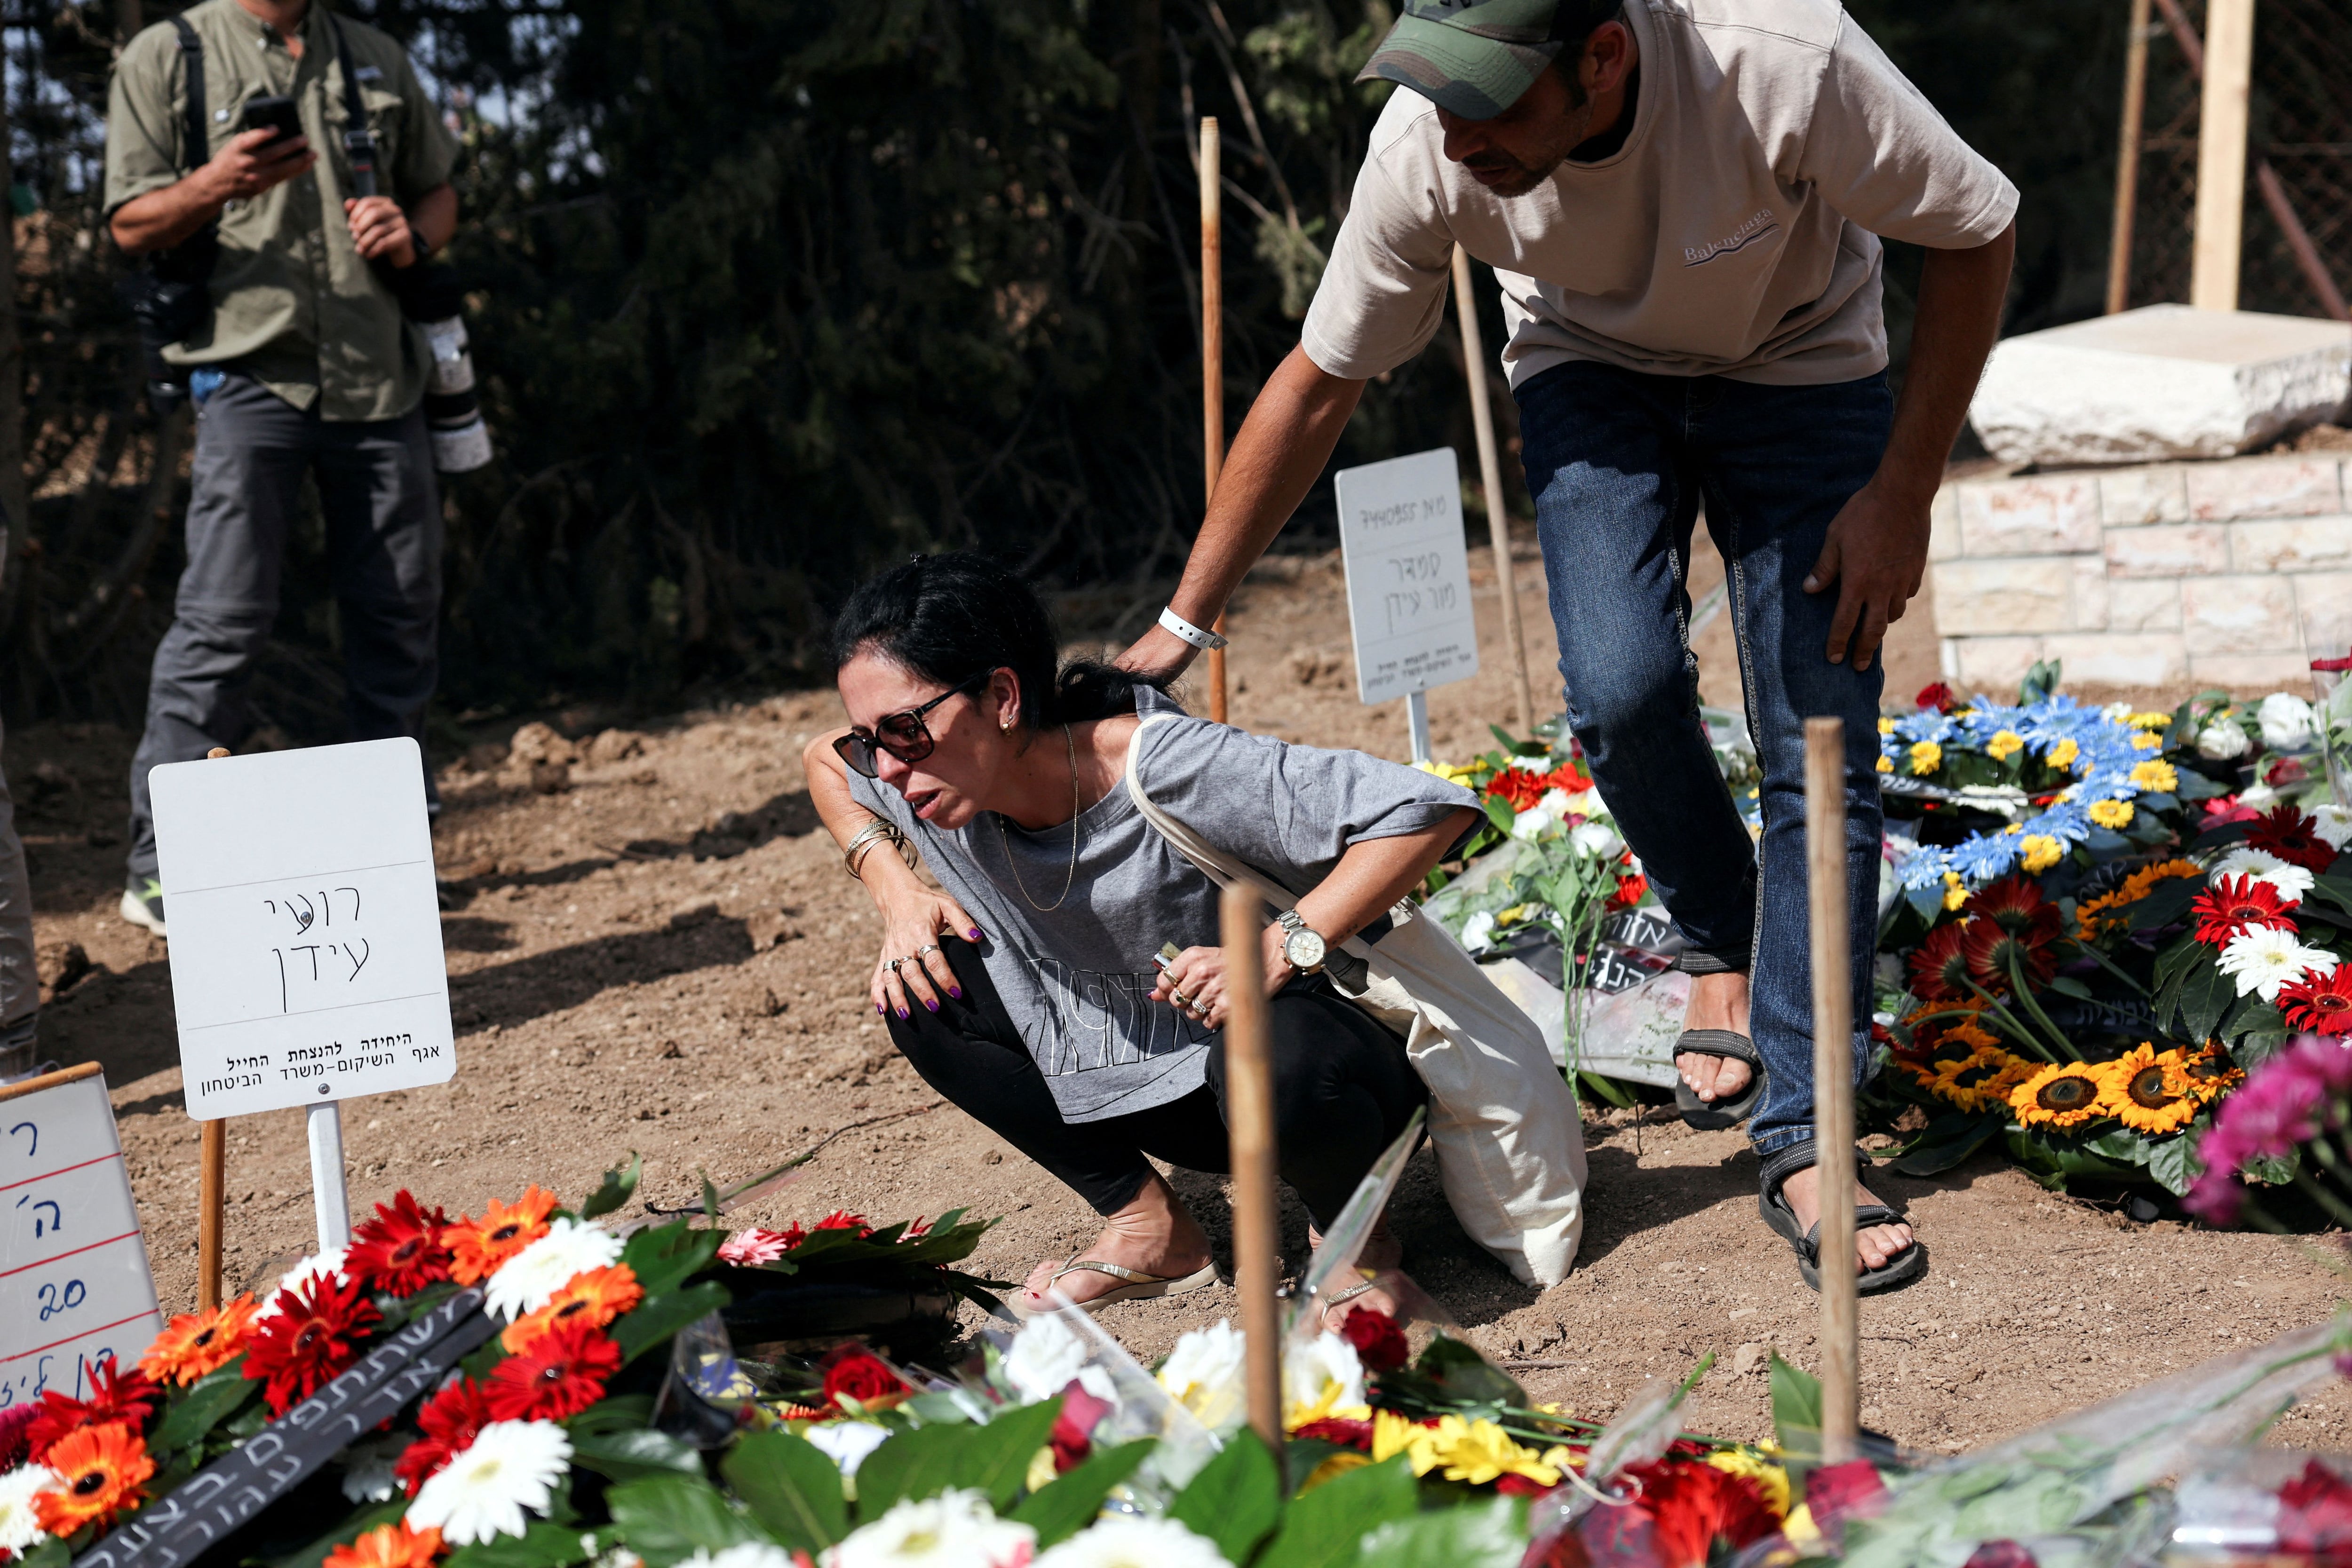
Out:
{"x": 142, "y": 904}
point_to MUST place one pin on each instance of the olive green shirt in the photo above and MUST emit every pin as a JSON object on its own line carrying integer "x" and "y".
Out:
{"x": 293, "y": 303}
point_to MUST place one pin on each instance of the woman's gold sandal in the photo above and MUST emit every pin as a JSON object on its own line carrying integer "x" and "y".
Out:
{"x": 1138, "y": 1286}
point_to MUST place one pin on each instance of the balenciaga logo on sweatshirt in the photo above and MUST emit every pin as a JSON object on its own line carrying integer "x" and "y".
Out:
{"x": 1758, "y": 224}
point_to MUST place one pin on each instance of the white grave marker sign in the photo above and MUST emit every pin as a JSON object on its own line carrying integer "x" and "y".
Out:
{"x": 306, "y": 928}
{"x": 1408, "y": 574}
{"x": 74, "y": 1285}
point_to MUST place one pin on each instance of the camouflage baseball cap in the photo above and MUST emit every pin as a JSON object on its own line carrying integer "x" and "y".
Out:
{"x": 1475, "y": 58}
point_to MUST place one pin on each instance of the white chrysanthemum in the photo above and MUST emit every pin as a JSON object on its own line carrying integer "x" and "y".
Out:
{"x": 1478, "y": 931}
{"x": 327, "y": 1263}
{"x": 2267, "y": 958}
{"x": 510, "y": 1472}
{"x": 1596, "y": 838}
{"x": 20, "y": 1526}
{"x": 1532, "y": 764}
{"x": 847, "y": 1443}
{"x": 529, "y": 1281}
{"x": 2290, "y": 882}
{"x": 2288, "y": 723}
{"x": 1047, "y": 1356}
{"x": 1309, "y": 1372}
{"x": 1125, "y": 1541}
{"x": 2258, "y": 796}
{"x": 1204, "y": 1373}
{"x": 2223, "y": 739}
{"x": 1532, "y": 825}
{"x": 2332, "y": 824}
{"x": 954, "y": 1530}
{"x": 748, "y": 1555}
{"x": 367, "y": 1468}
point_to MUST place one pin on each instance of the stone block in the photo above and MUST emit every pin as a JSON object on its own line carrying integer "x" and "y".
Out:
{"x": 1944, "y": 524}
{"x": 2239, "y": 614}
{"x": 1994, "y": 663}
{"x": 2130, "y": 496}
{"x": 2161, "y": 382}
{"x": 2143, "y": 605}
{"x": 2168, "y": 550}
{"x": 2053, "y": 515}
{"x": 2119, "y": 658}
{"x": 2324, "y": 601}
{"x": 2292, "y": 544}
{"x": 2265, "y": 487}
{"x": 2252, "y": 677}
{"x": 1996, "y": 597}
{"x": 2091, "y": 592}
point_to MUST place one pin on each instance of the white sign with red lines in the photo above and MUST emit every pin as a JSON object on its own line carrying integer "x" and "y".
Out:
{"x": 74, "y": 1285}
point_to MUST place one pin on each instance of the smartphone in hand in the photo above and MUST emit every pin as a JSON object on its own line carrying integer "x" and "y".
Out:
{"x": 274, "y": 114}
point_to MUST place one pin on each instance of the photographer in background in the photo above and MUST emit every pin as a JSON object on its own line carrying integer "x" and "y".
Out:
{"x": 304, "y": 362}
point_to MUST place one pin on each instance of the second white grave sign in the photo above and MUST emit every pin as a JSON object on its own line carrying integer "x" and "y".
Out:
{"x": 306, "y": 926}
{"x": 1408, "y": 574}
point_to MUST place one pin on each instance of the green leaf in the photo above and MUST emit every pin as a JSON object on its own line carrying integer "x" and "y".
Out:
{"x": 664, "y": 1257}
{"x": 791, "y": 1487}
{"x": 925, "y": 1462}
{"x": 345, "y": 1531}
{"x": 659, "y": 1317}
{"x": 1067, "y": 1506}
{"x": 1321, "y": 1530}
{"x": 2205, "y": 995}
{"x": 1927, "y": 1157}
{"x": 2173, "y": 1163}
{"x": 621, "y": 1413}
{"x": 2166, "y": 903}
{"x": 619, "y": 1185}
{"x": 1235, "y": 1500}
{"x": 51, "y": 1554}
{"x": 211, "y": 1400}
{"x": 1501, "y": 813}
{"x": 1465, "y": 1374}
{"x": 667, "y": 1518}
{"x": 2120, "y": 1144}
{"x": 1489, "y": 1534}
{"x": 2336, "y": 890}
{"x": 2067, "y": 985}
{"x": 544, "y": 1545}
{"x": 1796, "y": 1407}
{"x": 627, "y": 1456}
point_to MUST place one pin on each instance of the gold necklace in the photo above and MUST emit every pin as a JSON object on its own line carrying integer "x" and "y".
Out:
{"x": 1070, "y": 742}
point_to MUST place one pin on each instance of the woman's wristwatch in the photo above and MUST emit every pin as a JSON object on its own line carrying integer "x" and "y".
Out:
{"x": 1302, "y": 948}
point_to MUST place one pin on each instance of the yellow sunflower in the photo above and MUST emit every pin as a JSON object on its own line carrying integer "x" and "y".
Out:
{"x": 1962, "y": 1079}
{"x": 2004, "y": 746}
{"x": 2066, "y": 1095}
{"x": 2210, "y": 1075}
{"x": 2149, "y": 1091}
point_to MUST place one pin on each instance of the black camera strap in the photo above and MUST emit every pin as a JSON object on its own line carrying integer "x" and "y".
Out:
{"x": 359, "y": 139}
{"x": 198, "y": 151}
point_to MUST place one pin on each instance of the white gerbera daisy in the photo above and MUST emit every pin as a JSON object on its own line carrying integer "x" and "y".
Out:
{"x": 1128, "y": 1541}
{"x": 2287, "y": 721}
{"x": 750, "y": 1554}
{"x": 510, "y": 1472}
{"x": 1204, "y": 1373}
{"x": 954, "y": 1530}
{"x": 20, "y": 1526}
{"x": 1326, "y": 1367}
{"x": 2267, "y": 958}
{"x": 2290, "y": 882}
{"x": 2332, "y": 824}
{"x": 529, "y": 1281}
{"x": 2223, "y": 737}
{"x": 325, "y": 1265}
{"x": 847, "y": 1443}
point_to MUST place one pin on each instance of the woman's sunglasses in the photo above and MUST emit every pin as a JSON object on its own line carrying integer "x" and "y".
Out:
{"x": 902, "y": 735}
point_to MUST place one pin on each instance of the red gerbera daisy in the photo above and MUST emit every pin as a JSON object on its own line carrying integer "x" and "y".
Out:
{"x": 2017, "y": 906}
{"x": 842, "y": 1219}
{"x": 449, "y": 1420}
{"x": 2288, "y": 834}
{"x": 560, "y": 1374}
{"x": 400, "y": 1250}
{"x": 1939, "y": 967}
{"x": 1694, "y": 1512}
{"x": 2320, "y": 1003}
{"x": 309, "y": 1340}
{"x": 2236, "y": 905}
{"x": 1993, "y": 950}
{"x": 127, "y": 1398}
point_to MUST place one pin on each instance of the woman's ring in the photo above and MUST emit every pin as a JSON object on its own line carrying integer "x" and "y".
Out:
{"x": 926, "y": 948}
{"x": 893, "y": 965}
{"x": 1183, "y": 1003}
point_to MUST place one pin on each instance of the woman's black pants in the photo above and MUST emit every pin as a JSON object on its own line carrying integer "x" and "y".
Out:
{"x": 1343, "y": 1090}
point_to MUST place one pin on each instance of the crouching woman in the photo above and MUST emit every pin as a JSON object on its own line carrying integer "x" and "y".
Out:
{"x": 1025, "y": 989}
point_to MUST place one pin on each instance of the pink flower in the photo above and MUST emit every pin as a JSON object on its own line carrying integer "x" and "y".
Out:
{"x": 2289, "y": 1100}
{"x": 750, "y": 1248}
{"x": 2225, "y": 808}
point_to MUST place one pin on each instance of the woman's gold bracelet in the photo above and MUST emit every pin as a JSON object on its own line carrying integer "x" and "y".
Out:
{"x": 861, "y": 845}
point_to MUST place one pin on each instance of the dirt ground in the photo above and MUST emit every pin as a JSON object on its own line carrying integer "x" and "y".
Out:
{"x": 653, "y": 949}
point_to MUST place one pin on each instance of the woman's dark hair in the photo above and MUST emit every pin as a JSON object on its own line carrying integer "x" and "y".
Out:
{"x": 949, "y": 616}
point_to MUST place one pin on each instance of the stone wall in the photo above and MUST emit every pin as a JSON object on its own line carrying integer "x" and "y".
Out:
{"x": 2235, "y": 573}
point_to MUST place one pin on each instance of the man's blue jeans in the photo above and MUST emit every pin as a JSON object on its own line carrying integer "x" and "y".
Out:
{"x": 1620, "y": 463}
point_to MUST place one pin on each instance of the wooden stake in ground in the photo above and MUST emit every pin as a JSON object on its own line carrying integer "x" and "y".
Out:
{"x": 1490, "y": 471}
{"x": 2119, "y": 247}
{"x": 2222, "y": 155}
{"x": 1825, "y": 854}
{"x": 1213, "y": 364}
{"x": 212, "y": 1166}
{"x": 1249, "y": 1113}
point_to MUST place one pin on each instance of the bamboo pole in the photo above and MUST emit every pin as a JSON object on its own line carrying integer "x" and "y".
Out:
{"x": 2119, "y": 248}
{"x": 1213, "y": 363}
{"x": 1825, "y": 854}
{"x": 1490, "y": 474}
{"x": 212, "y": 1199}
{"x": 1249, "y": 1117}
{"x": 2222, "y": 155}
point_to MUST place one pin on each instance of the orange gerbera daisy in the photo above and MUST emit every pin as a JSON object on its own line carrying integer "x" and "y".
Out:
{"x": 477, "y": 1247}
{"x": 595, "y": 1298}
{"x": 393, "y": 1545}
{"x": 195, "y": 1343}
{"x": 102, "y": 1471}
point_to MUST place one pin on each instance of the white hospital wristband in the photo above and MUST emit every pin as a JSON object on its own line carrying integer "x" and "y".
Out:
{"x": 1190, "y": 633}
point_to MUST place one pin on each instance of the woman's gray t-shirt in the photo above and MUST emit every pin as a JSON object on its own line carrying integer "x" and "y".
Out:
{"x": 1077, "y": 978}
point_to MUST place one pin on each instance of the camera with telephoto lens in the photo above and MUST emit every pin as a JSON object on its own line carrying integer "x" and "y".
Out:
{"x": 170, "y": 297}
{"x": 435, "y": 300}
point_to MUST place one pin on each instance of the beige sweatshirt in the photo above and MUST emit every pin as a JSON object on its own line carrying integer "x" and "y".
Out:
{"x": 1735, "y": 233}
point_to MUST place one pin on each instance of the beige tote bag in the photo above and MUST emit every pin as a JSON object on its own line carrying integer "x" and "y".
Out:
{"x": 1510, "y": 1147}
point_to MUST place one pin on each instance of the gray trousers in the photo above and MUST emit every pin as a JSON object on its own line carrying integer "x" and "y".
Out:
{"x": 383, "y": 554}
{"x": 20, "y": 985}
